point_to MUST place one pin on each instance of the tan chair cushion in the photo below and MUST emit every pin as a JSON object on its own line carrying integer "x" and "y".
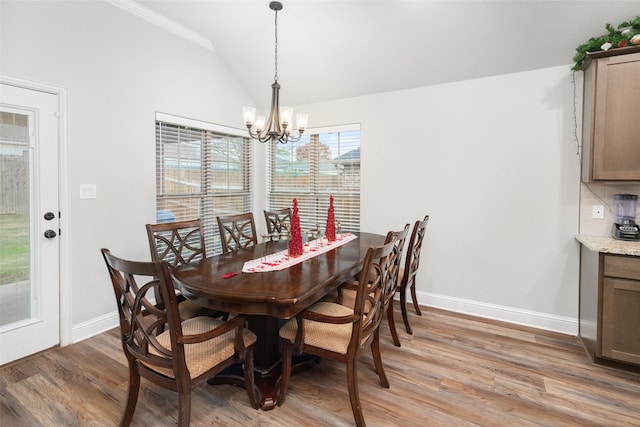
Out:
{"x": 349, "y": 300}
{"x": 189, "y": 309}
{"x": 202, "y": 356}
{"x": 328, "y": 336}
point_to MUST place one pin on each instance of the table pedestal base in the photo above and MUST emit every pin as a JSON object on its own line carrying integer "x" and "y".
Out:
{"x": 267, "y": 383}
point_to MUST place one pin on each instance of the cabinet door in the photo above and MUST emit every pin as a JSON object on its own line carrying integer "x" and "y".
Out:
{"x": 621, "y": 320}
{"x": 616, "y": 130}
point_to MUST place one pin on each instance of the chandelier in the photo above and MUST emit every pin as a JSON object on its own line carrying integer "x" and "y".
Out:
{"x": 279, "y": 124}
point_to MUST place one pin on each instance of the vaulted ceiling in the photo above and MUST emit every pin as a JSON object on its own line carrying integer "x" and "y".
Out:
{"x": 337, "y": 49}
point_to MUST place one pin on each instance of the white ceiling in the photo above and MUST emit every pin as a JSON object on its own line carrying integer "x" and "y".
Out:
{"x": 338, "y": 49}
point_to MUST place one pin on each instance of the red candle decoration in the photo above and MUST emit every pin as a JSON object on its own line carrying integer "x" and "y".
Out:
{"x": 330, "y": 231}
{"x": 295, "y": 243}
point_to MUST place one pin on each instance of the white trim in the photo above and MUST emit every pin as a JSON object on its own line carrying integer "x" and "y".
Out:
{"x": 193, "y": 123}
{"x": 63, "y": 195}
{"x": 95, "y": 326}
{"x": 565, "y": 325}
{"x": 163, "y": 22}
{"x": 332, "y": 129}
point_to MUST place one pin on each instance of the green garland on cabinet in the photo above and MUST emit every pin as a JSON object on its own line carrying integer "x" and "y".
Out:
{"x": 627, "y": 33}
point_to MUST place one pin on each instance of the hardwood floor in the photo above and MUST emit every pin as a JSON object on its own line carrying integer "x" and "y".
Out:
{"x": 455, "y": 370}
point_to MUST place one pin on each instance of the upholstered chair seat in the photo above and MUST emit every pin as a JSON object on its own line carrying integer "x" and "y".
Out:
{"x": 199, "y": 357}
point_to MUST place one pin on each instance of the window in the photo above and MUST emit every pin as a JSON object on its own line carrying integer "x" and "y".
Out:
{"x": 323, "y": 163}
{"x": 202, "y": 171}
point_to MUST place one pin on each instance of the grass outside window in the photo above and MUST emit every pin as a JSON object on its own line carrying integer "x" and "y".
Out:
{"x": 14, "y": 248}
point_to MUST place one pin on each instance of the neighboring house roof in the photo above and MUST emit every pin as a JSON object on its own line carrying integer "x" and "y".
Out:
{"x": 350, "y": 155}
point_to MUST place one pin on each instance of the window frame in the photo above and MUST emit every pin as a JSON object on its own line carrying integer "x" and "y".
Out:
{"x": 313, "y": 201}
{"x": 210, "y": 199}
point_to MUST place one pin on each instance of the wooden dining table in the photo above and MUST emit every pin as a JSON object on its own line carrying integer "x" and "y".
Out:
{"x": 269, "y": 298}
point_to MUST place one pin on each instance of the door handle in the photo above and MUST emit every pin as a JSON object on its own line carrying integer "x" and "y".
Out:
{"x": 50, "y": 234}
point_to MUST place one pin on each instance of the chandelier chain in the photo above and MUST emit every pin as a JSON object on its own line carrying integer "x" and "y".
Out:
{"x": 275, "y": 77}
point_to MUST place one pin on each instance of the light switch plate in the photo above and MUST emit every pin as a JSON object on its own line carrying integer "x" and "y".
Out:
{"x": 87, "y": 191}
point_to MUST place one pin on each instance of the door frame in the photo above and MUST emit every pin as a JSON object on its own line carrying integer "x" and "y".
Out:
{"x": 65, "y": 325}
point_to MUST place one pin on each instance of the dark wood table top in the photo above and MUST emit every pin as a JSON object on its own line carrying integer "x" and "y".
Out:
{"x": 280, "y": 294}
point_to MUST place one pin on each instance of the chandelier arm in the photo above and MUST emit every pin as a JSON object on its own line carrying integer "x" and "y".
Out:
{"x": 253, "y": 134}
{"x": 265, "y": 139}
{"x": 292, "y": 138}
{"x": 260, "y": 136}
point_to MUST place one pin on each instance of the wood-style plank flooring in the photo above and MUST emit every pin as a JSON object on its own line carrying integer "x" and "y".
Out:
{"x": 455, "y": 370}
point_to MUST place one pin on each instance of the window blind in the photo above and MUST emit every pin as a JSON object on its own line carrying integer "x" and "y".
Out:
{"x": 320, "y": 165}
{"x": 201, "y": 173}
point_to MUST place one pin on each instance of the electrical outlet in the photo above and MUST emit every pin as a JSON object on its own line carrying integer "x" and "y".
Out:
{"x": 598, "y": 212}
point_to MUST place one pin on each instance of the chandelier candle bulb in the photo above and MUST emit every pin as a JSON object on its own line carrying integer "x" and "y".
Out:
{"x": 249, "y": 114}
{"x": 301, "y": 120}
{"x": 259, "y": 123}
{"x": 286, "y": 113}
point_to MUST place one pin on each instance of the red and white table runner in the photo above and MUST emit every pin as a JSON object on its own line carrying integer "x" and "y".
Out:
{"x": 281, "y": 260}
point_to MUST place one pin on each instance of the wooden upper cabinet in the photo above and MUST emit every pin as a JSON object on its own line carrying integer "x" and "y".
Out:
{"x": 611, "y": 121}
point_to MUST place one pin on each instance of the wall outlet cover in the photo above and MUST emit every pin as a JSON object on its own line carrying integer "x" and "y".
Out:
{"x": 598, "y": 212}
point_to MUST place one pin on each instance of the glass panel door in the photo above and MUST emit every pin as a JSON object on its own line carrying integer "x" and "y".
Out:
{"x": 29, "y": 222}
{"x": 15, "y": 283}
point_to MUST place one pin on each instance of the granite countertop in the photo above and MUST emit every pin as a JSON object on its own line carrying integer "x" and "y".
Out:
{"x": 609, "y": 245}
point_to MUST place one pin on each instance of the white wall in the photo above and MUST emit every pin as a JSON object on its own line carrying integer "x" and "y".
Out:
{"x": 494, "y": 163}
{"x": 119, "y": 70}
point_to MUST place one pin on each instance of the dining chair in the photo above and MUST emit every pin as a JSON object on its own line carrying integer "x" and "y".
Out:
{"x": 178, "y": 243}
{"x": 237, "y": 231}
{"x": 407, "y": 275}
{"x": 171, "y": 353}
{"x": 277, "y": 220}
{"x": 399, "y": 238}
{"x": 347, "y": 290}
{"x": 336, "y": 332}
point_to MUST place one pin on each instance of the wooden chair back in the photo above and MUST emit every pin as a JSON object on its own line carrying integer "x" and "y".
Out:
{"x": 177, "y": 242}
{"x": 237, "y": 231}
{"x": 374, "y": 287}
{"x": 412, "y": 261}
{"x": 278, "y": 220}
{"x": 398, "y": 238}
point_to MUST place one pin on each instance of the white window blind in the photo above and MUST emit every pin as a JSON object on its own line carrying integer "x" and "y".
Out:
{"x": 201, "y": 173}
{"x": 321, "y": 164}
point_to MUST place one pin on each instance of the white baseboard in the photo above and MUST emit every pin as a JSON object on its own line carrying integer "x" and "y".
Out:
{"x": 565, "y": 325}
{"x": 94, "y": 327}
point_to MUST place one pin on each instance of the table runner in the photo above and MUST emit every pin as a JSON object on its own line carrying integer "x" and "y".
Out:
{"x": 281, "y": 260}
